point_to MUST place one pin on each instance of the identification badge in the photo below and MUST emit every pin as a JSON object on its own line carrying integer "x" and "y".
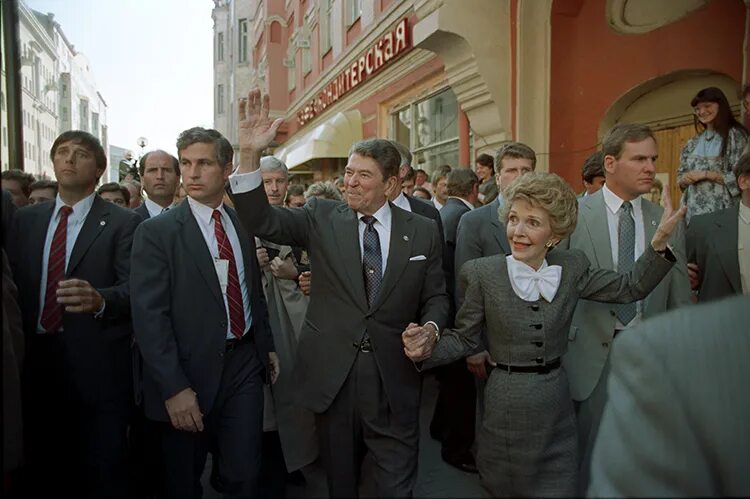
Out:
{"x": 222, "y": 272}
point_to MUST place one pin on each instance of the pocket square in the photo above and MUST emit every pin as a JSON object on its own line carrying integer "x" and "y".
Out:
{"x": 417, "y": 258}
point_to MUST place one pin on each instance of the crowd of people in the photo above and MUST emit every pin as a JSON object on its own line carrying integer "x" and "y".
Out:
{"x": 275, "y": 326}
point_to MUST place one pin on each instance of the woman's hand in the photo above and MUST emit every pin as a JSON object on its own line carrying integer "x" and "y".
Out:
{"x": 669, "y": 220}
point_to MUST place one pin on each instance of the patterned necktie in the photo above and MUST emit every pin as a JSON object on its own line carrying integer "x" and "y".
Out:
{"x": 626, "y": 256}
{"x": 372, "y": 260}
{"x": 52, "y": 314}
{"x": 234, "y": 292}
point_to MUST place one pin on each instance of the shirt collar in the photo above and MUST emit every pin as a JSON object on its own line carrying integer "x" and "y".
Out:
{"x": 471, "y": 206}
{"x": 614, "y": 202}
{"x": 204, "y": 212}
{"x": 402, "y": 202}
{"x": 154, "y": 208}
{"x": 744, "y": 213}
{"x": 80, "y": 209}
{"x": 383, "y": 215}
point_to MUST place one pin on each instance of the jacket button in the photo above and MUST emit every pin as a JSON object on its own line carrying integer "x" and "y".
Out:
{"x": 538, "y": 343}
{"x": 612, "y": 313}
{"x": 535, "y": 308}
{"x": 536, "y": 326}
{"x": 605, "y": 344}
{"x": 539, "y": 360}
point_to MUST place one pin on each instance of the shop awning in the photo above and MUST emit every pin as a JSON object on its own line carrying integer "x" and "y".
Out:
{"x": 331, "y": 139}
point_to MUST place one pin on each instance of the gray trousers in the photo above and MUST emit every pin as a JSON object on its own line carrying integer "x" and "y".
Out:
{"x": 359, "y": 420}
{"x": 589, "y": 415}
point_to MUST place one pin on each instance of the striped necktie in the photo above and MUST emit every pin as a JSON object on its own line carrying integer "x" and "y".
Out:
{"x": 52, "y": 314}
{"x": 234, "y": 292}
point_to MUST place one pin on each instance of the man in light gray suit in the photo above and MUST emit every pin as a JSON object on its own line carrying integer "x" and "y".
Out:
{"x": 675, "y": 422}
{"x": 614, "y": 224}
{"x": 719, "y": 244}
{"x": 378, "y": 269}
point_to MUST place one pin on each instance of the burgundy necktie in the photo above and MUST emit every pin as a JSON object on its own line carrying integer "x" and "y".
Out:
{"x": 52, "y": 315}
{"x": 234, "y": 292}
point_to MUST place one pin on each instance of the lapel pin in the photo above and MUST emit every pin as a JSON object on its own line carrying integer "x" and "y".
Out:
{"x": 102, "y": 223}
{"x": 653, "y": 222}
{"x": 406, "y": 238}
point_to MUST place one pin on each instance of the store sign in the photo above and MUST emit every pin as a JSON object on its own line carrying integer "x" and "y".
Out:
{"x": 380, "y": 54}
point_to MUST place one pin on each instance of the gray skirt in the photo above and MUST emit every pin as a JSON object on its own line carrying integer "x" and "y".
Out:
{"x": 527, "y": 444}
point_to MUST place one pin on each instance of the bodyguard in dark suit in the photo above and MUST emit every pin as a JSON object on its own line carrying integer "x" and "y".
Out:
{"x": 160, "y": 175}
{"x": 71, "y": 262}
{"x": 202, "y": 327}
{"x": 719, "y": 244}
{"x": 377, "y": 270}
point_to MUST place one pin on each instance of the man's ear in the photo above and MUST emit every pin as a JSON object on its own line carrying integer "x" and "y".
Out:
{"x": 609, "y": 164}
{"x": 403, "y": 170}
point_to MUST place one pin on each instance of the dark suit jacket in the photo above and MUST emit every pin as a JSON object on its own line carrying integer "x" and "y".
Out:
{"x": 99, "y": 349}
{"x": 712, "y": 243}
{"x": 9, "y": 211}
{"x": 338, "y": 314}
{"x": 426, "y": 209}
{"x": 179, "y": 316}
{"x": 143, "y": 211}
{"x": 451, "y": 214}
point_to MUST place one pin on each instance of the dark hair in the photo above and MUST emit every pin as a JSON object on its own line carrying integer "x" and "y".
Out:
{"x": 593, "y": 167}
{"x": 142, "y": 162}
{"x": 295, "y": 190}
{"x": 419, "y": 170}
{"x": 115, "y": 187}
{"x": 725, "y": 120}
{"x": 461, "y": 181}
{"x": 743, "y": 166}
{"x": 195, "y": 135}
{"x": 411, "y": 174}
{"x": 382, "y": 152}
{"x": 614, "y": 140}
{"x": 515, "y": 150}
{"x": 486, "y": 160}
{"x": 85, "y": 139}
{"x": 43, "y": 184}
{"x": 24, "y": 179}
{"x": 422, "y": 189}
{"x": 403, "y": 151}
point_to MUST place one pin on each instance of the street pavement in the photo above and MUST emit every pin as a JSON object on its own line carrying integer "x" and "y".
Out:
{"x": 434, "y": 478}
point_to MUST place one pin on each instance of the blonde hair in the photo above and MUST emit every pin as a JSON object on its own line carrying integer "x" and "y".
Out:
{"x": 549, "y": 192}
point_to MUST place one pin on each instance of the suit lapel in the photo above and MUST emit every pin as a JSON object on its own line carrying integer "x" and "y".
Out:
{"x": 399, "y": 251}
{"x": 344, "y": 223}
{"x": 95, "y": 223}
{"x": 594, "y": 212}
{"x": 725, "y": 241}
{"x": 36, "y": 243}
{"x": 651, "y": 218}
{"x": 196, "y": 245}
{"x": 498, "y": 228}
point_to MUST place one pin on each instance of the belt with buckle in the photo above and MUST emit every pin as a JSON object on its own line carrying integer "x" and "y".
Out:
{"x": 233, "y": 343}
{"x": 543, "y": 369}
{"x": 364, "y": 345}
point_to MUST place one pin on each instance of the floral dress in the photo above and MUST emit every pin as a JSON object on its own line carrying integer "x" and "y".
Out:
{"x": 703, "y": 153}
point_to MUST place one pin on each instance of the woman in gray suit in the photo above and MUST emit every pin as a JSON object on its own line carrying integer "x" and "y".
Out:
{"x": 527, "y": 444}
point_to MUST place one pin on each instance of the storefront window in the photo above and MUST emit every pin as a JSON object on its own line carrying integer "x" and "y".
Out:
{"x": 430, "y": 128}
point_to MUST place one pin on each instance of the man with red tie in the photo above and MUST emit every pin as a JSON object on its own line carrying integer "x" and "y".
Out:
{"x": 201, "y": 325}
{"x": 71, "y": 262}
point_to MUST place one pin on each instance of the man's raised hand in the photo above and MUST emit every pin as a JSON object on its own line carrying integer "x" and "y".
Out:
{"x": 256, "y": 129}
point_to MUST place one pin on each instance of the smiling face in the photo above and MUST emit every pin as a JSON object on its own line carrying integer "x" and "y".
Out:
{"x": 365, "y": 186}
{"x": 633, "y": 173}
{"x": 529, "y": 231}
{"x": 706, "y": 112}
{"x": 75, "y": 167}
{"x": 202, "y": 176}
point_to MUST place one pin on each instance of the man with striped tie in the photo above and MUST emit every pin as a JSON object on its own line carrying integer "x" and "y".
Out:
{"x": 201, "y": 324}
{"x": 71, "y": 261}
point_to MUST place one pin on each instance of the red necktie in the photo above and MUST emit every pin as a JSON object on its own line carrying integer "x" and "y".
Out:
{"x": 52, "y": 315}
{"x": 234, "y": 292}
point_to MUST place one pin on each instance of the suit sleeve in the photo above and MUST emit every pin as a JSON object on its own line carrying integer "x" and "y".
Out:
{"x": 608, "y": 286}
{"x": 151, "y": 306}
{"x": 679, "y": 284}
{"x": 466, "y": 337}
{"x": 434, "y": 300}
{"x": 117, "y": 297}
{"x": 646, "y": 442}
{"x": 285, "y": 226}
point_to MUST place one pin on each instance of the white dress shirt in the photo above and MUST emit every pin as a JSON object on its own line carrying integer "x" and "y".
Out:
{"x": 75, "y": 223}
{"x": 402, "y": 202}
{"x": 613, "y": 203}
{"x": 154, "y": 209}
{"x": 468, "y": 204}
{"x": 437, "y": 203}
{"x": 204, "y": 216}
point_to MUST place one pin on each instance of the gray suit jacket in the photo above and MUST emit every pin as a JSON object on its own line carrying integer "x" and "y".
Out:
{"x": 413, "y": 290}
{"x": 450, "y": 214}
{"x": 676, "y": 420}
{"x": 480, "y": 233}
{"x": 593, "y": 325}
{"x": 712, "y": 244}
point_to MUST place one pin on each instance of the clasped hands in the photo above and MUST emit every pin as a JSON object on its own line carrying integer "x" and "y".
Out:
{"x": 419, "y": 341}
